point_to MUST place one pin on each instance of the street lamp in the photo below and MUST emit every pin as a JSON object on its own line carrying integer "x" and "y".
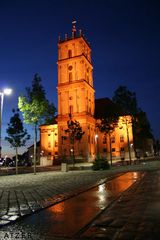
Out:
{"x": 96, "y": 141}
{"x": 6, "y": 91}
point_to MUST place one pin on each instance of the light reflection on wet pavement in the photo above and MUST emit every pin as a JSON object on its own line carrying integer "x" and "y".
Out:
{"x": 65, "y": 219}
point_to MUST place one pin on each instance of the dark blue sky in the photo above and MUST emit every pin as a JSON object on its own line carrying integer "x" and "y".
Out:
{"x": 124, "y": 37}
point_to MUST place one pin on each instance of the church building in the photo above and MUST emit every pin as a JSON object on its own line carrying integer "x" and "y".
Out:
{"x": 76, "y": 101}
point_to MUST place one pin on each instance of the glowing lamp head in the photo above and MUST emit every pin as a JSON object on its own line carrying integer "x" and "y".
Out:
{"x": 96, "y": 136}
{"x": 7, "y": 91}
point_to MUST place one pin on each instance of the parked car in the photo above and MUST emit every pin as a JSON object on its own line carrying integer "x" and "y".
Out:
{"x": 1, "y": 162}
{"x": 8, "y": 162}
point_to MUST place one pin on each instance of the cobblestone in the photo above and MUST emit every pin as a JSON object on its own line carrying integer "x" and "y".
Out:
{"x": 129, "y": 217}
{"x": 24, "y": 194}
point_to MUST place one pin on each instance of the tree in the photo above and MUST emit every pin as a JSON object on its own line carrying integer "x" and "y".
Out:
{"x": 35, "y": 108}
{"x": 75, "y": 132}
{"x": 107, "y": 125}
{"x": 107, "y": 115}
{"x": 142, "y": 130}
{"x": 157, "y": 147}
{"x": 17, "y": 135}
{"x": 126, "y": 100}
{"x": 128, "y": 103}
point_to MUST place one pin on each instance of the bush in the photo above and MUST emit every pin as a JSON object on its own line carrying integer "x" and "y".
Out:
{"x": 100, "y": 164}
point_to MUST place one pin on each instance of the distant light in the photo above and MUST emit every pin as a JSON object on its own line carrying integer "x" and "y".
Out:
{"x": 96, "y": 136}
{"x": 7, "y": 91}
{"x": 41, "y": 153}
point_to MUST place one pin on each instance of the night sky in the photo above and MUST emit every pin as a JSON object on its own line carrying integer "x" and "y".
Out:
{"x": 124, "y": 37}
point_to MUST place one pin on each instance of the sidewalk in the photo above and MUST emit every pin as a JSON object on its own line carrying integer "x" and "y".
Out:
{"x": 134, "y": 216}
{"x": 26, "y": 193}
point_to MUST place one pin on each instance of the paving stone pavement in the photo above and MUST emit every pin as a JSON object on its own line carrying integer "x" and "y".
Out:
{"x": 134, "y": 216}
{"x": 26, "y": 193}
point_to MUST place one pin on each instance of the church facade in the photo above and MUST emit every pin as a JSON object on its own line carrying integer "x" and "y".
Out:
{"x": 76, "y": 101}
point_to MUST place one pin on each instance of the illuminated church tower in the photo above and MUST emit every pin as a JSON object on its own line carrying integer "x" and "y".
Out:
{"x": 76, "y": 101}
{"x": 75, "y": 94}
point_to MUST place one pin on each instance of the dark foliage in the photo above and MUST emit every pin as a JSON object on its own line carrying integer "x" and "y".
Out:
{"x": 100, "y": 164}
{"x": 74, "y": 130}
{"x": 126, "y": 100}
{"x": 17, "y": 135}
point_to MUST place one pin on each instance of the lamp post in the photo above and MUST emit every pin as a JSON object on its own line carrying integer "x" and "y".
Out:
{"x": 128, "y": 140}
{"x": 96, "y": 141}
{"x": 6, "y": 91}
{"x": 127, "y": 121}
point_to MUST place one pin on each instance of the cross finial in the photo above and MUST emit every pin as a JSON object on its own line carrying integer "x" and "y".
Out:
{"x": 74, "y": 28}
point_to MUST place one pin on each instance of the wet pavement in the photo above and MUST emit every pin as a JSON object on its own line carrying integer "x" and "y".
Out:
{"x": 134, "y": 216}
{"x": 27, "y": 193}
{"x": 69, "y": 217}
{"x": 136, "y": 213}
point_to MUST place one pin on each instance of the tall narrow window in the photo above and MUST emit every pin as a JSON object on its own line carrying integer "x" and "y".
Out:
{"x": 121, "y": 138}
{"x": 70, "y": 109}
{"x": 122, "y": 149}
{"x": 70, "y": 76}
{"x": 69, "y": 53}
{"x": 113, "y": 139}
{"x": 104, "y": 140}
{"x": 87, "y": 75}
